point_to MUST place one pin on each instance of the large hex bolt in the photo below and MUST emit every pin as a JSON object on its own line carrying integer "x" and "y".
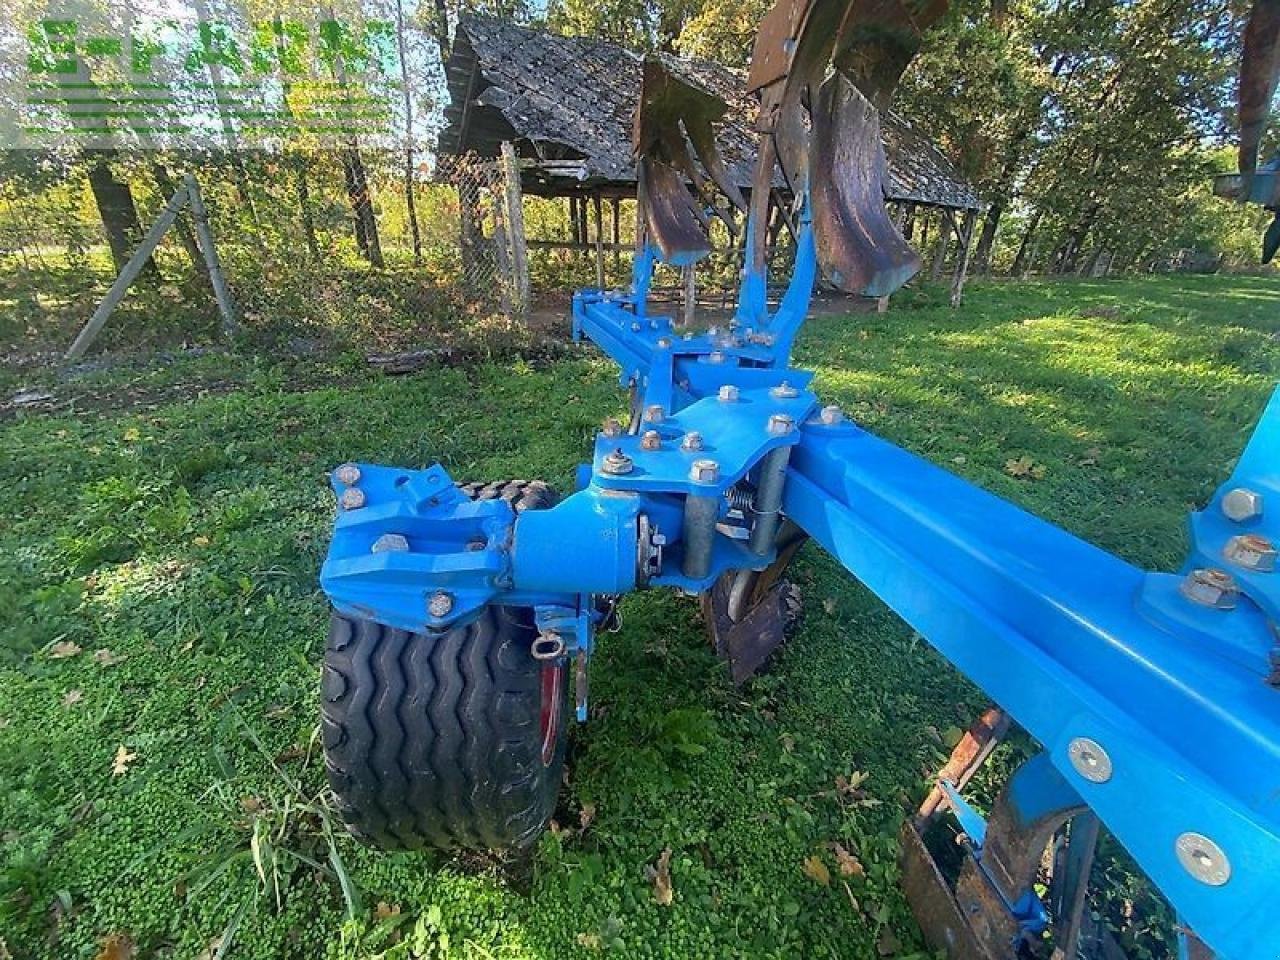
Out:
{"x": 352, "y": 498}
{"x": 728, "y": 393}
{"x": 692, "y": 441}
{"x": 440, "y": 604}
{"x": 784, "y": 391}
{"x": 348, "y": 474}
{"x": 664, "y": 343}
{"x": 781, "y": 424}
{"x": 831, "y": 415}
{"x": 1251, "y": 551}
{"x": 1241, "y": 504}
{"x": 704, "y": 471}
{"x": 616, "y": 463}
{"x": 612, "y": 428}
{"x": 651, "y": 440}
{"x": 1210, "y": 587}
{"x": 715, "y": 356}
{"x": 654, "y": 413}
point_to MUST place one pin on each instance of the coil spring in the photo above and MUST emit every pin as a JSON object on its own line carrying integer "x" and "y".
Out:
{"x": 740, "y": 498}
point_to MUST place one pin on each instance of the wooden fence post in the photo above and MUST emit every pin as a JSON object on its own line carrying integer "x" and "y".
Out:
{"x": 599, "y": 215}
{"x": 127, "y": 275}
{"x": 515, "y": 226}
{"x": 962, "y": 263}
{"x": 200, "y": 215}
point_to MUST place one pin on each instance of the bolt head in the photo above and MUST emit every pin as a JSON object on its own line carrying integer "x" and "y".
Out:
{"x": 391, "y": 543}
{"x": 715, "y": 356}
{"x": 347, "y": 474}
{"x": 728, "y": 393}
{"x": 1202, "y": 858}
{"x": 635, "y": 327}
{"x": 612, "y": 428}
{"x": 831, "y": 415}
{"x": 692, "y": 441}
{"x": 651, "y": 440}
{"x": 784, "y": 391}
{"x": 616, "y": 463}
{"x": 654, "y": 413}
{"x": 352, "y": 498}
{"x": 1252, "y": 552}
{"x": 704, "y": 471}
{"x": 1089, "y": 759}
{"x": 1210, "y": 587}
{"x": 664, "y": 343}
{"x": 440, "y": 604}
{"x": 781, "y": 424}
{"x": 1241, "y": 504}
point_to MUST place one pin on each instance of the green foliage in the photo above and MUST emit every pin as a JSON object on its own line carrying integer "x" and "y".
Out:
{"x": 1134, "y": 396}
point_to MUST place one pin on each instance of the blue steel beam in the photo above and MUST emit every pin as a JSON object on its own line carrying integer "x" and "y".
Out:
{"x": 1056, "y": 631}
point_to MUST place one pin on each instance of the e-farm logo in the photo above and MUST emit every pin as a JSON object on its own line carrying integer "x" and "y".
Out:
{"x": 197, "y": 83}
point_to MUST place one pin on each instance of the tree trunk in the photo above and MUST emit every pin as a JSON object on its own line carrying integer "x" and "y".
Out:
{"x": 1020, "y": 264}
{"x": 987, "y": 239}
{"x": 414, "y": 232}
{"x": 302, "y": 187}
{"x": 118, "y": 212}
{"x": 440, "y": 29}
{"x": 366, "y": 225}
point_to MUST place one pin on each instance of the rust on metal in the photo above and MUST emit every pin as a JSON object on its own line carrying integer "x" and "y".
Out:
{"x": 1259, "y": 74}
{"x": 967, "y": 757}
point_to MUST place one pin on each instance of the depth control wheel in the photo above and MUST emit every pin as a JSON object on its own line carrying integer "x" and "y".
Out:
{"x": 452, "y": 739}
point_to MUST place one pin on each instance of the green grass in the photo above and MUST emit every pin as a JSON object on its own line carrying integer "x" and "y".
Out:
{"x": 185, "y": 538}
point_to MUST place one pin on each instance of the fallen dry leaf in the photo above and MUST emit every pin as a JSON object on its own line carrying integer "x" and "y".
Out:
{"x": 384, "y": 910}
{"x": 250, "y": 804}
{"x": 660, "y": 873}
{"x": 848, "y": 864}
{"x": 124, "y": 757}
{"x": 587, "y": 814}
{"x": 1091, "y": 457}
{"x": 200, "y": 541}
{"x": 72, "y": 697}
{"x": 590, "y": 940}
{"x": 108, "y": 658}
{"x": 118, "y": 946}
{"x": 829, "y": 605}
{"x": 887, "y": 944}
{"x": 1024, "y": 467}
{"x": 63, "y": 649}
{"x": 816, "y": 870}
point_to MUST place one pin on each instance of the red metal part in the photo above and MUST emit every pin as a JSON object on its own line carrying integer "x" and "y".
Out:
{"x": 552, "y": 708}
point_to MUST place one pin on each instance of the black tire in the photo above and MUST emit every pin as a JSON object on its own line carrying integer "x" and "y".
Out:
{"x": 441, "y": 739}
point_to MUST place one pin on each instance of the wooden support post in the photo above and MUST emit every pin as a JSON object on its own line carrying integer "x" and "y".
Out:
{"x": 200, "y": 217}
{"x": 962, "y": 264}
{"x": 617, "y": 215}
{"x": 945, "y": 225}
{"x": 882, "y": 304}
{"x": 690, "y": 295}
{"x": 141, "y": 257}
{"x": 573, "y": 221}
{"x": 515, "y": 227}
{"x": 599, "y": 213}
{"x": 582, "y": 222}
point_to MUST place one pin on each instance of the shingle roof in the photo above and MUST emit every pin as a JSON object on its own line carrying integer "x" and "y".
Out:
{"x": 573, "y": 99}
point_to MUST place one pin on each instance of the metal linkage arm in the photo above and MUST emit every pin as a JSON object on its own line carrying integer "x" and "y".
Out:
{"x": 1150, "y": 700}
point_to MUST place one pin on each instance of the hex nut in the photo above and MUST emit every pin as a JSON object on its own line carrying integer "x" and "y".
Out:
{"x": 391, "y": 543}
{"x": 347, "y": 474}
{"x": 352, "y": 498}
{"x": 692, "y": 441}
{"x": 1251, "y": 551}
{"x": 831, "y": 415}
{"x": 440, "y": 604}
{"x": 654, "y": 413}
{"x": 704, "y": 471}
{"x": 728, "y": 393}
{"x": 612, "y": 428}
{"x": 1210, "y": 587}
{"x": 616, "y": 463}
{"x": 664, "y": 343}
{"x": 635, "y": 327}
{"x": 784, "y": 391}
{"x": 1241, "y": 504}
{"x": 1202, "y": 858}
{"x": 1090, "y": 760}
{"x": 715, "y": 356}
{"x": 651, "y": 440}
{"x": 781, "y": 424}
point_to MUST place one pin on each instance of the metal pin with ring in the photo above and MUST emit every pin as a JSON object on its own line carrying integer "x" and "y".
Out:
{"x": 548, "y": 646}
